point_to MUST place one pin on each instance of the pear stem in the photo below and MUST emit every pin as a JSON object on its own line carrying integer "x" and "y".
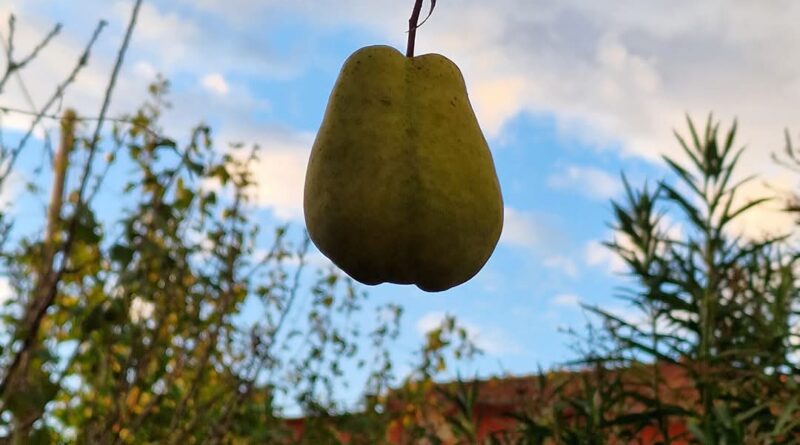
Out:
{"x": 412, "y": 28}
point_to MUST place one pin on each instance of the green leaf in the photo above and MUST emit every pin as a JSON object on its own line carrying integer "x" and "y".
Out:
{"x": 121, "y": 254}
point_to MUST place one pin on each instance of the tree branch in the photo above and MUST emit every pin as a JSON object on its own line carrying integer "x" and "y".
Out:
{"x": 82, "y": 62}
{"x": 12, "y": 65}
{"x": 48, "y": 285}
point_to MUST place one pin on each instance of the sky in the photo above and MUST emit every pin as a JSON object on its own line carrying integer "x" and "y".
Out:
{"x": 569, "y": 93}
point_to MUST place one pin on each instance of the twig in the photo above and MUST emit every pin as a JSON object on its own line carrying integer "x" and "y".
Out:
{"x": 8, "y": 48}
{"x": 82, "y": 62}
{"x": 58, "y": 117}
{"x": 107, "y": 98}
{"x": 412, "y": 28}
{"x": 48, "y": 285}
{"x": 11, "y": 65}
{"x": 12, "y": 27}
{"x": 101, "y": 177}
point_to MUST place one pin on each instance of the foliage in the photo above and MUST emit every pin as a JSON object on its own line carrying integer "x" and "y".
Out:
{"x": 138, "y": 327}
{"x": 718, "y": 306}
{"x": 177, "y": 318}
{"x": 713, "y": 358}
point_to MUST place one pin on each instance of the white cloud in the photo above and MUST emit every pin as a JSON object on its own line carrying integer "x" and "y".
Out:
{"x": 164, "y": 41}
{"x": 531, "y": 231}
{"x": 535, "y": 234}
{"x": 429, "y": 322}
{"x": 567, "y": 300}
{"x": 215, "y": 83}
{"x": 280, "y": 172}
{"x": 42, "y": 74}
{"x": 563, "y": 263}
{"x": 596, "y": 254}
{"x": 491, "y": 340}
{"x": 175, "y": 38}
{"x": 588, "y": 181}
{"x": 617, "y": 74}
{"x": 145, "y": 70}
{"x": 496, "y": 100}
{"x": 520, "y": 229}
{"x": 620, "y": 74}
{"x": 624, "y": 72}
{"x": 768, "y": 219}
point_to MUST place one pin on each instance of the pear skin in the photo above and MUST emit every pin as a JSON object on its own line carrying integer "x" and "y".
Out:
{"x": 400, "y": 185}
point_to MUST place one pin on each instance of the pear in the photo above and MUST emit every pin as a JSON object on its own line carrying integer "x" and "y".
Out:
{"x": 400, "y": 185}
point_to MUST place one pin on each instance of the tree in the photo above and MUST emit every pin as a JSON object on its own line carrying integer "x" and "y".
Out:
{"x": 717, "y": 305}
{"x": 130, "y": 330}
{"x": 712, "y": 358}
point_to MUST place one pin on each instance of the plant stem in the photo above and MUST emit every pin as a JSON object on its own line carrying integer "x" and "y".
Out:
{"x": 412, "y": 28}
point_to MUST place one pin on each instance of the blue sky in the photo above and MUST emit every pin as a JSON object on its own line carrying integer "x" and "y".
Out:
{"x": 570, "y": 94}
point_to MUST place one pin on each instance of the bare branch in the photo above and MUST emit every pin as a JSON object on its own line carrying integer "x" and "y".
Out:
{"x": 82, "y": 62}
{"x": 9, "y": 49}
{"x": 107, "y": 98}
{"x": 59, "y": 117}
{"x": 53, "y": 32}
{"x": 11, "y": 64}
{"x": 47, "y": 287}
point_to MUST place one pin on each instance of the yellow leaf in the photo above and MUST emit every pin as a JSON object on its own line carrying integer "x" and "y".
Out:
{"x": 133, "y": 397}
{"x": 144, "y": 399}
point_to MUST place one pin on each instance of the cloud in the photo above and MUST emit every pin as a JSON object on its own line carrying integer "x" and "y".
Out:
{"x": 596, "y": 254}
{"x": 491, "y": 340}
{"x": 768, "y": 219}
{"x": 765, "y": 220}
{"x": 279, "y": 170}
{"x": 562, "y": 263}
{"x": 520, "y": 229}
{"x": 174, "y": 37}
{"x": 566, "y": 300}
{"x": 429, "y": 322}
{"x": 164, "y": 41}
{"x": 536, "y": 234}
{"x": 497, "y": 100}
{"x": 615, "y": 76}
{"x": 614, "y": 73}
{"x": 42, "y": 75}
{"x": 530, "y": 231}
{"x": 145, "y": 70}
{"x": 215, "y": 83}
{"x": 281, "y": 178}
{"x": 588, "y": 181}
{"x": 618, "y": 74}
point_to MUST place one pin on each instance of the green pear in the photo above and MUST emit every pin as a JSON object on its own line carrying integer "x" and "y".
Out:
{"x": 400, "y": 185}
